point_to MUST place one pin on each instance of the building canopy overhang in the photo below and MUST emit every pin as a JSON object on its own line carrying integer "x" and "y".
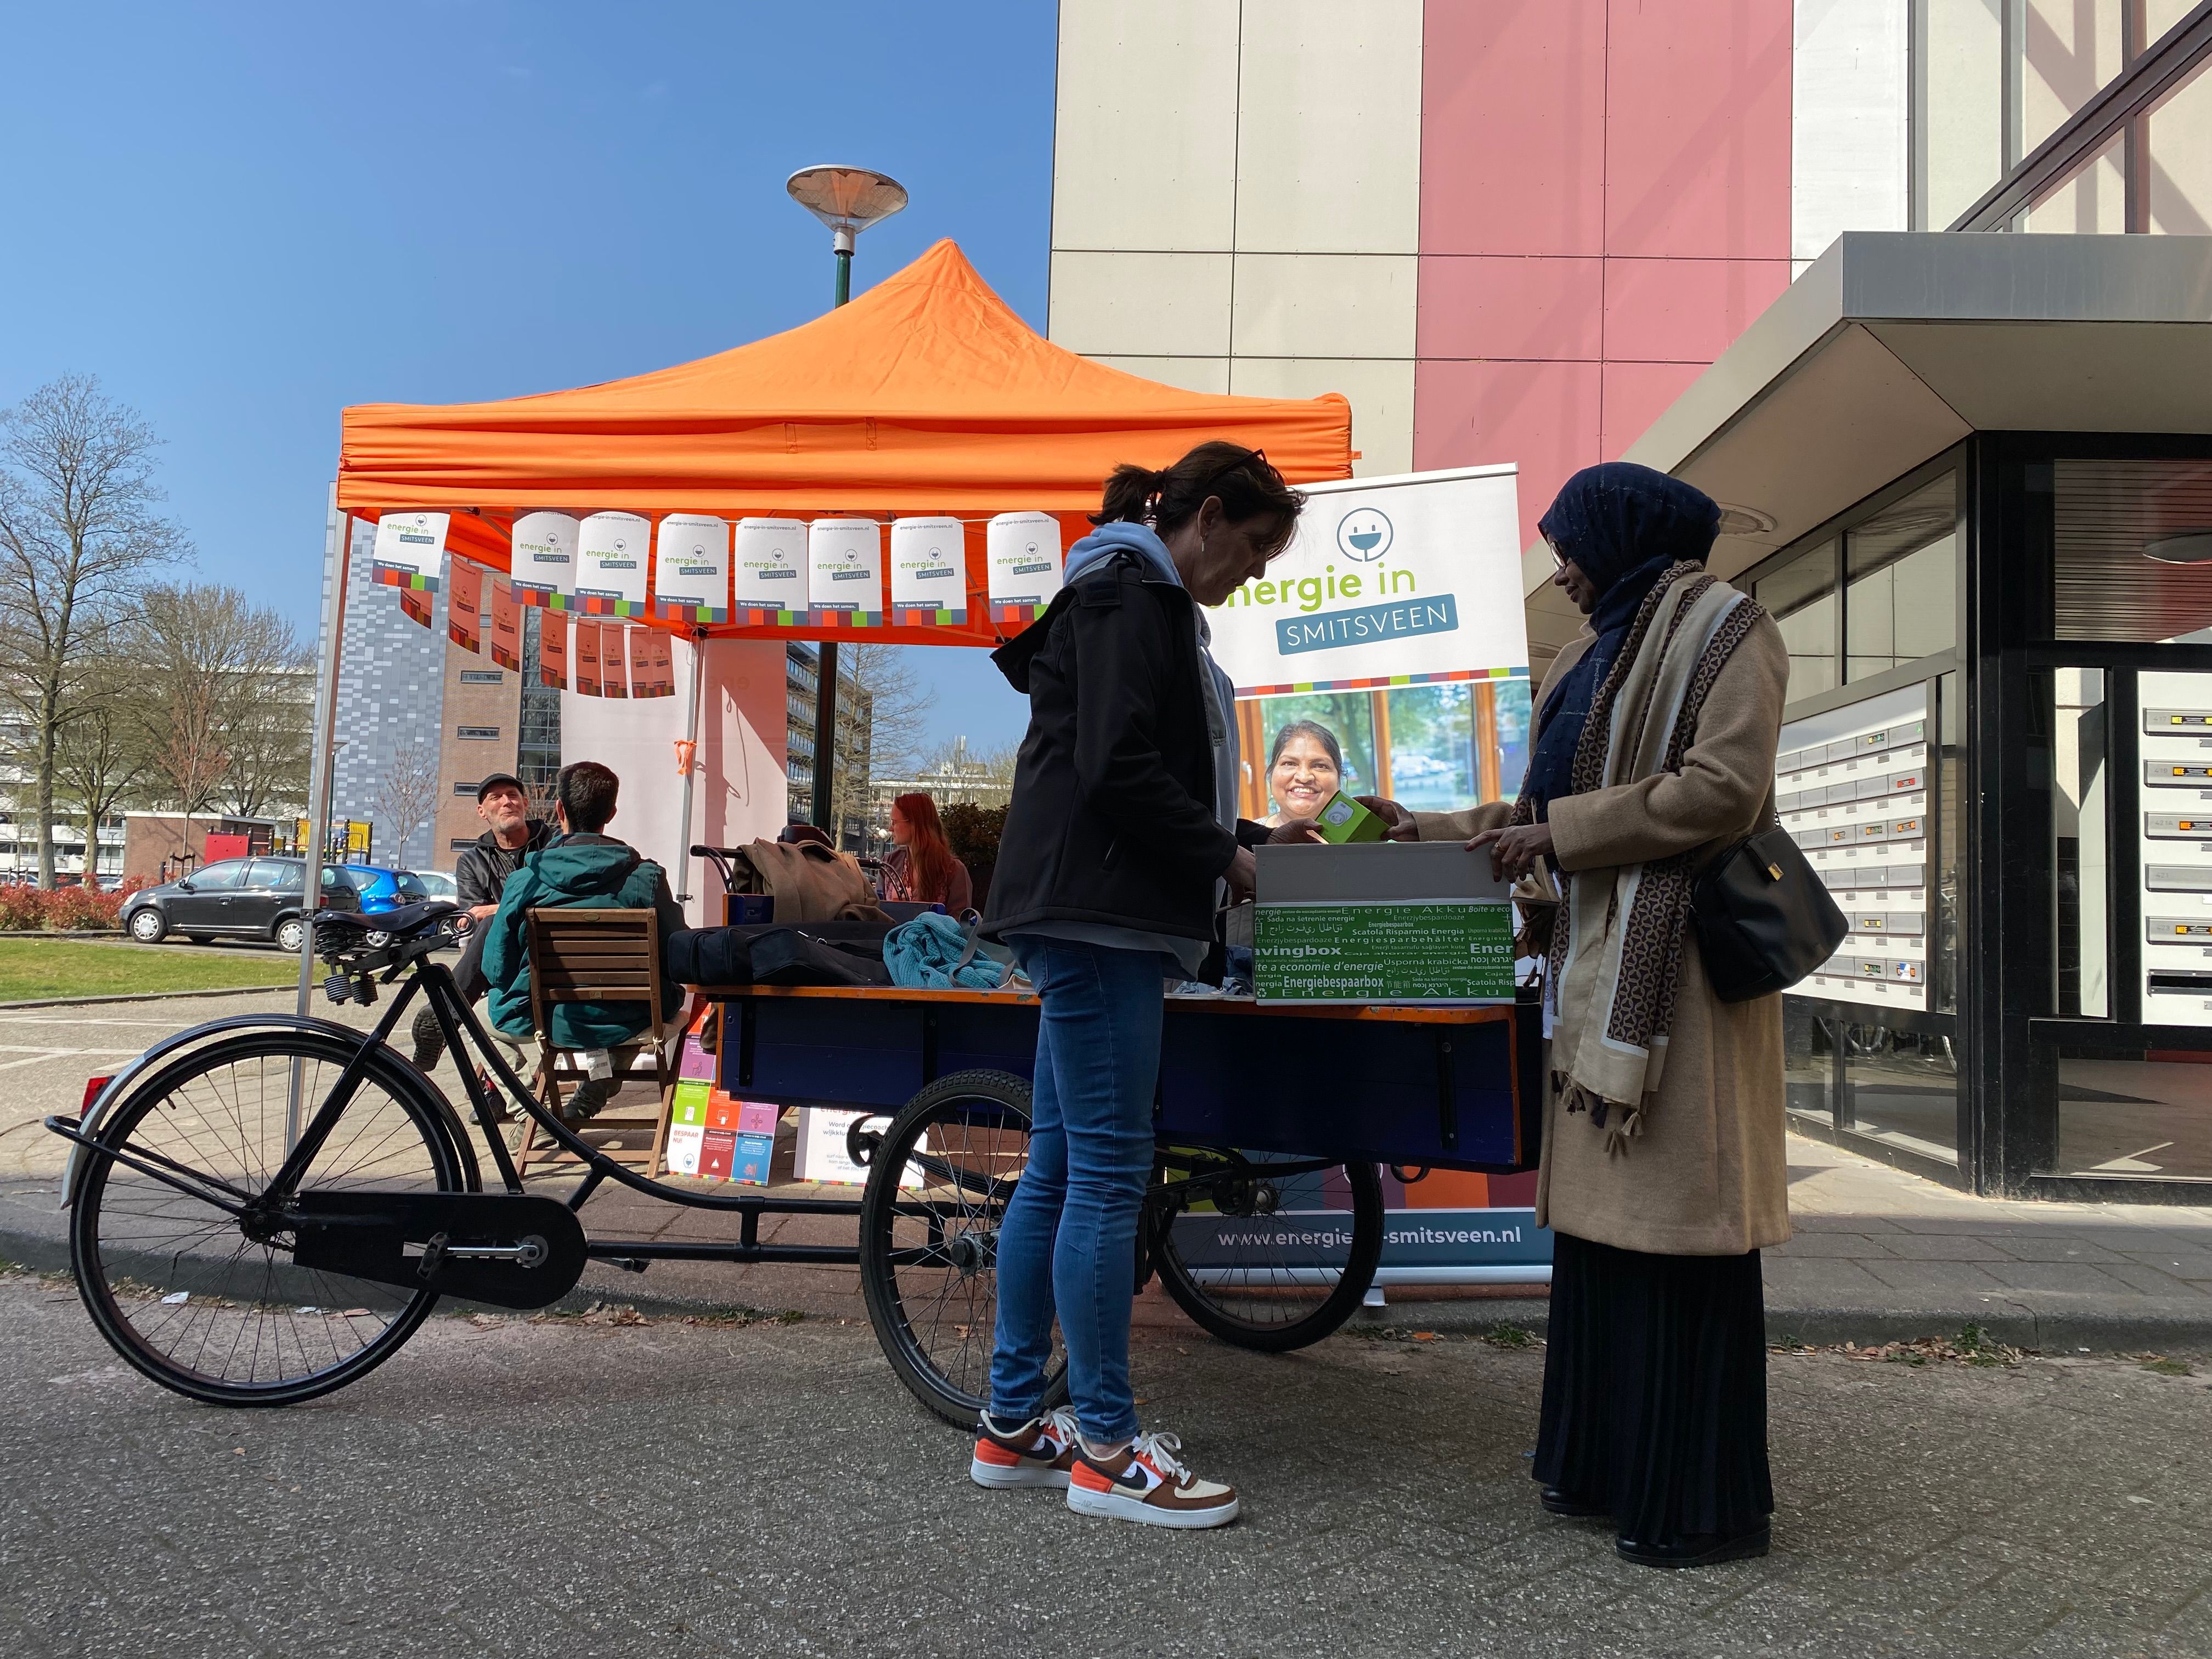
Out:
{"x": 1892, "y": 347}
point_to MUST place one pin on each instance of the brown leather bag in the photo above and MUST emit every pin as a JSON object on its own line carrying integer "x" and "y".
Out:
{"x": 809, "y": 882}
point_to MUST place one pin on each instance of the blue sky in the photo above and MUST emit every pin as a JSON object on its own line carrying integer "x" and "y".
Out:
{"x": 243, "y": 217}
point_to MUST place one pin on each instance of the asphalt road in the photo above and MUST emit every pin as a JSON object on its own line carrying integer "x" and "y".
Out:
{"x": 505, "y": 1487}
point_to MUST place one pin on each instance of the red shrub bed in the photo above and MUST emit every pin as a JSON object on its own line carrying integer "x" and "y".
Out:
{"x": 78, "y": 909}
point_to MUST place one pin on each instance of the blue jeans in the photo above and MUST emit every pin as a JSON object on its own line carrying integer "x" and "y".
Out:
{"x": 1069, "y": 1241}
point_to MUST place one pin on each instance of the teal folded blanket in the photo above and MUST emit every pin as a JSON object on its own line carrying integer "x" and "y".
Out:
{"x": 935, "y": 952}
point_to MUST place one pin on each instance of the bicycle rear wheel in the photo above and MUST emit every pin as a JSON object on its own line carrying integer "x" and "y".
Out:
{"x": 938, "y": 1181}
{"x": 1266, "y": 1250}
{"x": 212, "y": 1305}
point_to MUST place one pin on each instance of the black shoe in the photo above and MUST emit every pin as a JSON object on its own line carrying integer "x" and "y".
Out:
{"x": 1577, "y": 1509}
{"x": 1702, "y": 1550}
{"x": 429, "y": 1041}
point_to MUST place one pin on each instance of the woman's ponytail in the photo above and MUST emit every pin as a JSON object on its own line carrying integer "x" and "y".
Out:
{"x": 1129, "y": 496}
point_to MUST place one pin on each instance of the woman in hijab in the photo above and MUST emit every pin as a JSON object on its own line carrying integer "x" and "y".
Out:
{"x": 1663, "y": 1171}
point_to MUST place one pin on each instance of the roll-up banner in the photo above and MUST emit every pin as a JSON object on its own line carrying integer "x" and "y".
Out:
{"x": 614, "y": 667}
{"x": 1393, "y": 624}
{"x": 845, "y": 573}
{"x": 929, "y": 572}
{"x": 1025, "y": 558}
{"x": 409, "y": 550}
{"x": 542, "y": 558}
{"x": 611, "y": 565}
{"x": 691, "y": 568}
{"x": 553, "y": 649}
{"x": 505, "y": 627}
{"x": 584, "y": 655}
{"x": 768, "y": 572}
{"x": 463, "y": 604}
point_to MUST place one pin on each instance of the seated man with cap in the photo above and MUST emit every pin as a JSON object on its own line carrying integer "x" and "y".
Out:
{"x": 511, "y": 836}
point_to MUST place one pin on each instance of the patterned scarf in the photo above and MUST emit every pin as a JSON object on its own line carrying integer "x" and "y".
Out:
{"x": 1616, "y": 953}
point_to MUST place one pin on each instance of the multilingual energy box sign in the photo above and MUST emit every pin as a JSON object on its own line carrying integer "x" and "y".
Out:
{"x": 1387, "y": 582}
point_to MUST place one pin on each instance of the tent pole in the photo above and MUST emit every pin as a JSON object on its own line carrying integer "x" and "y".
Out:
{"x": 691, "y": 760}
{"x": 337, "y": 551}
{"x": 825, "y": 739}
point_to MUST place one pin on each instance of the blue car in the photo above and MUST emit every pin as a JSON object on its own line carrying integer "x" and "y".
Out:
{"x": 383, "y": 890}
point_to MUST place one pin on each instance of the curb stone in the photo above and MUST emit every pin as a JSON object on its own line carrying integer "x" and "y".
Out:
{"x": 144, "y": 996}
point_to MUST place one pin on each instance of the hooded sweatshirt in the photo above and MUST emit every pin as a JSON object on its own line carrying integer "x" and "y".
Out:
{"x": 1220, "y": 727}
{"x": 596, "y": 872}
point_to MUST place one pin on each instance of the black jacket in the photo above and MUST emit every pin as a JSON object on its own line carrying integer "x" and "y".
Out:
{"x": 482, "y": 871}
{"x": 1112, "y": 818}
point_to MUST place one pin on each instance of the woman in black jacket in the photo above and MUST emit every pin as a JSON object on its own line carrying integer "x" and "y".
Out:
{"x": 1122, "y": 827}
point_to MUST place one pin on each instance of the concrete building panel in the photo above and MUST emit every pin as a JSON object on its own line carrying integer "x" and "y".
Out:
{"x": 1141, "y": 304}
{"x": 1850, "y": 101}
{"x": 1513, "y": 127}
{"x": 1381, "y": 391}
{"x": 1511, "y": 306}
{"x": 1683, "y": 310}
{"x": 1328, "y": 148}
{"x": 1543, "y": 416}
{"x": 1145, "y": 150}
{"x": 1698, "y": 140}
{"x": 1191, "y": 374}
{"x": 1324, "y": 304}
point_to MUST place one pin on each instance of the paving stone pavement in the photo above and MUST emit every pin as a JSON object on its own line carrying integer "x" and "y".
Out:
{"x": 501, "y": 1487}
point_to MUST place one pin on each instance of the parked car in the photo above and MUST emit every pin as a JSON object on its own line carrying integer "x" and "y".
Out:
{"x": 249, "y": 898}
{"x": 439, "y": 885}
{"x": 384, "y": 889}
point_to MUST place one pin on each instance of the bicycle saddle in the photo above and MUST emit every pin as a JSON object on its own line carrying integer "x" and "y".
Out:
{"x": 403, "y": 922}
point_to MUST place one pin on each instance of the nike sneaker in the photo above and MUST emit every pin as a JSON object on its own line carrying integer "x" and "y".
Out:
{"x": 1037, "y": 1453}
{"x": 1149, "y": 1483}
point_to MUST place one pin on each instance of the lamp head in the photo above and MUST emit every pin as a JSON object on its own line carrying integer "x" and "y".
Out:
{"x": 847, "y": 199}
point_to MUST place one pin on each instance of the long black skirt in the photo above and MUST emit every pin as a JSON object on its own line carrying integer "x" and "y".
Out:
{"x": 1655, "y": 1390}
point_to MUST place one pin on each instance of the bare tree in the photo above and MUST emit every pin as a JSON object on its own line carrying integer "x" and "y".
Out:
{"x": 407, "y": 794}
{"x": 222, "y": 703}
{"x": 881, "y": 710}
{"x": 104, "y": 752}
{"x": 77, "y": 533}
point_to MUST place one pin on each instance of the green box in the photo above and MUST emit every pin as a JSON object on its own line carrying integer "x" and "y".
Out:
{"x": 690, "y": 1104}
{"x": 1384, "y": 950}
{"x": 1343, "y": 820}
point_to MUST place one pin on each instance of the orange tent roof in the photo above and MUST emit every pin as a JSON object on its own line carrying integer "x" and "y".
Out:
{"x": 926, "y": 394}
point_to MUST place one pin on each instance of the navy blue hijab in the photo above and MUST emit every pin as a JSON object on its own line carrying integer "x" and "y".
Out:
{"x": 1624, "y": 526}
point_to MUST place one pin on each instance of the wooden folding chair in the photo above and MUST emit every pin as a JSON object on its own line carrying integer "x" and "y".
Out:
{"x": 580, "y": 955}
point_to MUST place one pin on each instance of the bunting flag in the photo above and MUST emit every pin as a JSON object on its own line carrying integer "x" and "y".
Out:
{"x": 1024, "y": 557}
{"x": 505, "y": 627}
{"x": 929, "y": 572}
{"x": 462, "y": 605}
{"x": 691, "y": 569}
{"x": 417, "y": 604}
{"x": 585, "y": 655}
{"x": 410, "y": 551}
{"x": 553, "y": 649}
{"x": 612, "y": 564}
{"x": 543, "y": 558}
{"x": 614, "y": 670}
{"x": 845, "y": 583}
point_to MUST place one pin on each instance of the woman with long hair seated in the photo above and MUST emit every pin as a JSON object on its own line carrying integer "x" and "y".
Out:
{"x": 919, "y": 866}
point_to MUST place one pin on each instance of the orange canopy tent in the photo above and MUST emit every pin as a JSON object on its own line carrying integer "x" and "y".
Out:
{"x": 924, "y": 395}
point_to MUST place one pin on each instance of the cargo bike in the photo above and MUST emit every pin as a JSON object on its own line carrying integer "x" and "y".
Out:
{"x": 264, "y": 1208}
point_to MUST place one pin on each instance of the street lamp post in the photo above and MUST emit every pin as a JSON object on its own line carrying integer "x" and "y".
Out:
{"x": 847, "y": 200}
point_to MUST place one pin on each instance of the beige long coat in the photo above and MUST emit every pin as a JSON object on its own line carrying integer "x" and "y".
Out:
{"x": 1707, "y": 1175}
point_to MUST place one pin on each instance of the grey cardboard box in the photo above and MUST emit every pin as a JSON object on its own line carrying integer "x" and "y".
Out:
{"x": 1431, "y": 870}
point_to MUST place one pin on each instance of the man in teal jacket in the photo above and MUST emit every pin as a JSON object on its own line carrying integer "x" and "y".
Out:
{"x": 583, "y": 867}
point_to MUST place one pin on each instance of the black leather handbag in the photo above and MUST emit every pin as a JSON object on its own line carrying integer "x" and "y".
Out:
{"x": 1764, "y": 919}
